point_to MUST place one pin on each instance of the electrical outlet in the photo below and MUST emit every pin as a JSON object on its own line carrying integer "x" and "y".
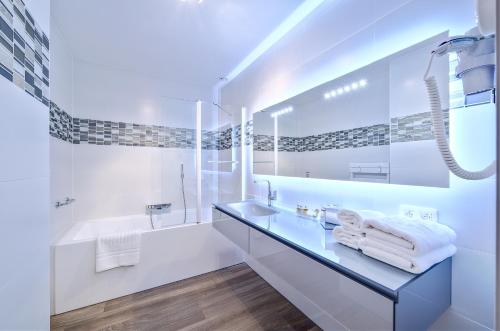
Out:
{"x": 419, "y": 213}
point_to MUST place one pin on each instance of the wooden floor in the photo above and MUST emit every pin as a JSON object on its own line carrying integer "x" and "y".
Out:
{"x": 235, "y": 299}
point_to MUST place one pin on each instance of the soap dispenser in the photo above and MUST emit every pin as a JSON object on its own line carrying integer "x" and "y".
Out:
{"x": 329, "y": 217}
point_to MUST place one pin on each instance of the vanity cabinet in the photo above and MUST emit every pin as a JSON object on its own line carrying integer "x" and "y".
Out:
{"x": 332, "y": 291}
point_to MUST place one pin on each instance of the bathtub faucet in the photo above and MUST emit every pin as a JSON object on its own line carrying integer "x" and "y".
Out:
{"x": 158, "y": 207}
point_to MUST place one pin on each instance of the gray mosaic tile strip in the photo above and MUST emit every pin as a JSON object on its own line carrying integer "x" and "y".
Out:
{"x": 95, "y": 132}
{"x": 415, "y": 127}
{"x": 24, "y": 50}
{"x": 263, "y": 143}
{"x": 217, "y": 140}
{"x": 236, "y": 135}
{"x": 61, "y": 124}
{"x": 88, "y": 131}
{"x": 375, "y": 135}
{"x": 249, "y": 133}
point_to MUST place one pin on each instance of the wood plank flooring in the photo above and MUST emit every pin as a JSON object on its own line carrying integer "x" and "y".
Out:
{"x": 235, "y": 299}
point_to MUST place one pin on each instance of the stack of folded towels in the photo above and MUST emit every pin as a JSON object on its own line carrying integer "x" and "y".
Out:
{"x": 411, "y": 245}
{"x": 351, "y": 231}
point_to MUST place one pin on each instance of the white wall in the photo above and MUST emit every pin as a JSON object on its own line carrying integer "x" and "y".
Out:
{"x": 338, "y": 38}
{"x": 61, "y": 152}
{"x": 24, "y": 196}
{"x": 112, "y": 181}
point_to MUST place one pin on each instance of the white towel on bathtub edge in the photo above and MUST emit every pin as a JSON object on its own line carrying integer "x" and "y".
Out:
{"x": 117, "y": 250}
{"x": 413, "y": 264}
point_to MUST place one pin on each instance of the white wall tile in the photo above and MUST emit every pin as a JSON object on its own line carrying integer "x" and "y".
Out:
{"x": 120, "y": 180}
{"x": 24, "y": 251}
{"x": 61, "y": 187}
{"x": 61, "y": 70}
{"x": 472, "y": 270}
{"x": 24, "y": 139}
{"x": 130, "y": 97}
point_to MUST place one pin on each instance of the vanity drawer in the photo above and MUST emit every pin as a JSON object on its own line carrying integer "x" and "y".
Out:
{"x": 332, "y": 300}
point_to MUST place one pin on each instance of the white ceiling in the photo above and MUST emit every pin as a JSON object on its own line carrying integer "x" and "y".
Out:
{"x": 178, "y": 41}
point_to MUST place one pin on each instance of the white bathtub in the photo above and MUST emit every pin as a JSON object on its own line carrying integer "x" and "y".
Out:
{"x": 92, "y": 229}
{"x": 171, "y": 252}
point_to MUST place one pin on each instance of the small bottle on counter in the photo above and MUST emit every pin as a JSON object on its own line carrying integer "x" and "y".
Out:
{"x": 302, "y": 209}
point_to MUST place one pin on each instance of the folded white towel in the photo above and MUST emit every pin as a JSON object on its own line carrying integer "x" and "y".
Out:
{"x": 347, "y": 237}
{"x": 413, "y": 264}
{"x": 422, "y": 236}
{"x": 353, "y": 229}
{"x": 387, "y": 237}
{"x": 117, "y": 250}
{"x": 389, "y": 247}
{"x": 357, "y": 218}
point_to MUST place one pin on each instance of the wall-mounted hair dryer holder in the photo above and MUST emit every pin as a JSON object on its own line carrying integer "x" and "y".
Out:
{"x": 476, "y": 65}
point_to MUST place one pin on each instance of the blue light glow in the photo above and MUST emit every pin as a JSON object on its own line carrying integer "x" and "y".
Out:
{"x": 288, "y": 24}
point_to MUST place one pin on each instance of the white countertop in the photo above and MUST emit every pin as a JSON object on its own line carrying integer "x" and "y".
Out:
{"x": 308, "y": 236}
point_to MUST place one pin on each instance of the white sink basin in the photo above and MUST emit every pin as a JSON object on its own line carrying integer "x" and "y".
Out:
{"x": 250, "y": 208}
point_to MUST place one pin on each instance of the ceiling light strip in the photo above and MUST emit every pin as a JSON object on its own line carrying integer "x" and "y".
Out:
{"x": 288, "y": 24}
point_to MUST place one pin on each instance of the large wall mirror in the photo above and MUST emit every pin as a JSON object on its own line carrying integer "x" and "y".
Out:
{"x": 372, "y": 125}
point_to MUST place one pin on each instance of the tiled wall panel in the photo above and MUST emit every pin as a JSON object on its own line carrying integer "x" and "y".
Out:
{"x": 415, "y": 127}
{"x": 24, "y": 50}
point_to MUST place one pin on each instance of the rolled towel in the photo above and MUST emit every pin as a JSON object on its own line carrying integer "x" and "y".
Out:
{"x": 420, "y": 237}
{"x": 413, "y": 264}
{"x": 357, "y": 218}
{"x": 347, "y": 237}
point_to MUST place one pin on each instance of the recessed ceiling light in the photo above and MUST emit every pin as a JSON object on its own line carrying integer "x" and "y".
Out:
{"x": 327, "y": 96}
{"x": 340, "y": 90}
{"x": 362, "y": 83}
{"x": 354, "y": 86}
{"x": 347, "y": 88}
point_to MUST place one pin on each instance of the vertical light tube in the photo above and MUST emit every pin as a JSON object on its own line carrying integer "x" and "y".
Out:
{"x": 243, "y": 155}
{"x": 198, "y": 162}
{"x": 276, "y": 146}
{"x": 497, "y": 282}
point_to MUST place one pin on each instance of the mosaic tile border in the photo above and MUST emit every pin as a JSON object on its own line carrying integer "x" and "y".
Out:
{"x": 375, "y": 135}
{"x": 409, "y": 128}
{"x": 94, "y": 132}
{"x": 415, "y": 127}
{"x": 61, "y": 124}
{"x": 24, "y": 50}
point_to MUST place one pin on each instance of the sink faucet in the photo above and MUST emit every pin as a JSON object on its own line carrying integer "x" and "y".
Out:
{"x": 271, "y": 195}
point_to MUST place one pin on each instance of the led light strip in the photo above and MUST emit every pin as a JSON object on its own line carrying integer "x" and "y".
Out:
{"x": 282, "y": 112}
{"x": 346, "y": 89}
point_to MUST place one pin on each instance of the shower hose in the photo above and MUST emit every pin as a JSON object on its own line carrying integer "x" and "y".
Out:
{"x": 183, "y": 193}
{"x": 440, "y": 133}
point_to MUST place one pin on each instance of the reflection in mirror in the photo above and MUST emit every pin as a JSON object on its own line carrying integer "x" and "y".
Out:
{"x": 358, "y": 127}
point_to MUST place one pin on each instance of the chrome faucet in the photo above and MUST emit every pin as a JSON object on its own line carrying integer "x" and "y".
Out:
{"x": 271, "y": 195}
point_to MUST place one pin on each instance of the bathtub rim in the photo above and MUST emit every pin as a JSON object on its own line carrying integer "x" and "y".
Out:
{"x": 66, "y": 238}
